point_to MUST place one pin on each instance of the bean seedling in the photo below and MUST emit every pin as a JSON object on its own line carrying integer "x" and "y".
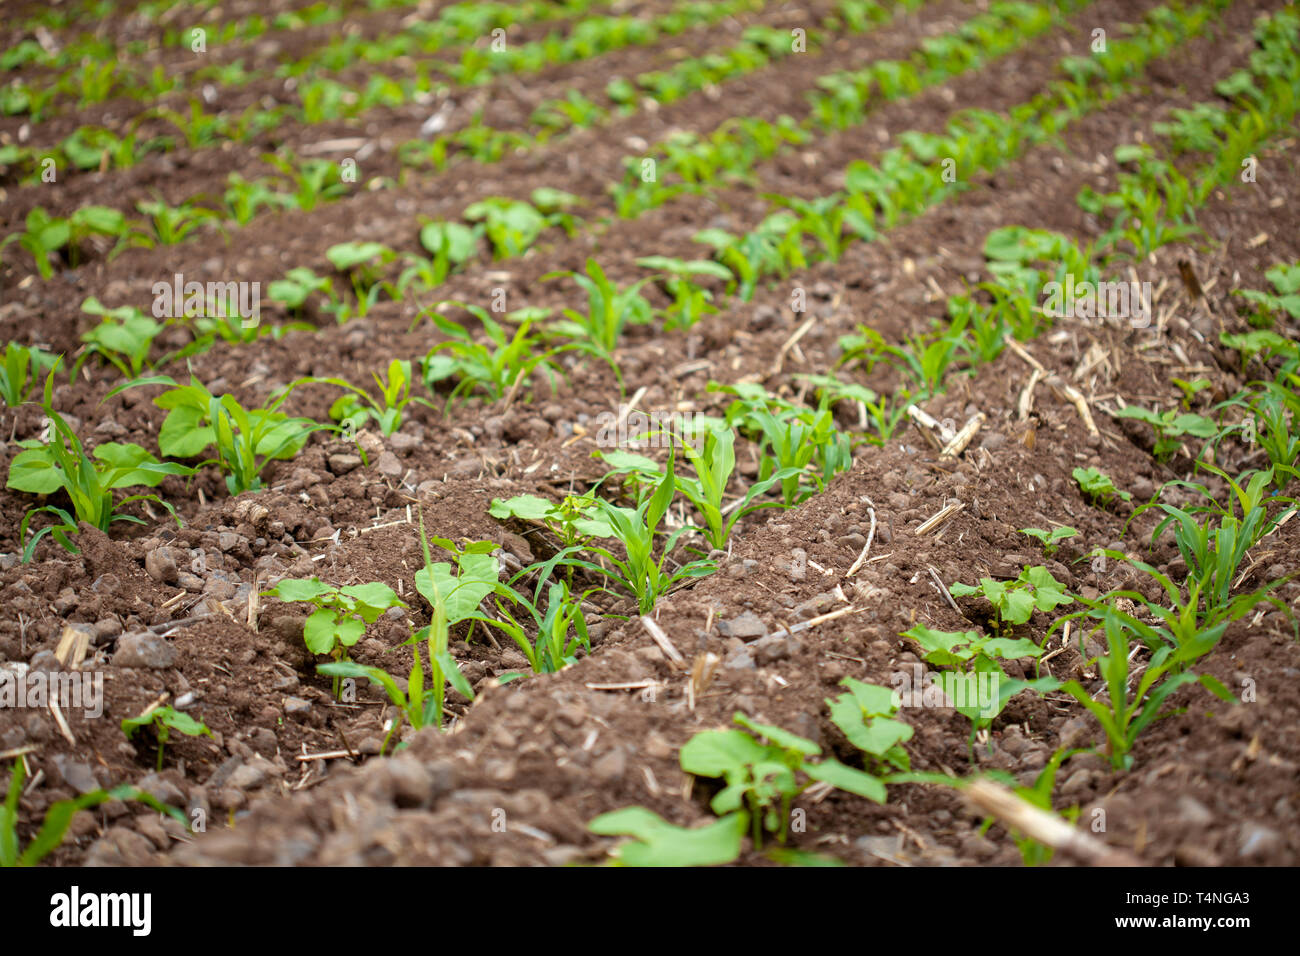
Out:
{"x": 164, "y": 720}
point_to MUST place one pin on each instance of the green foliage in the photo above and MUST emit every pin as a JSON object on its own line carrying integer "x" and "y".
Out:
{"x": 453, "y": 242}
{"x": 1170, "y": 427}
{"x": 360, "y": 262}
{"x": 245, "y": 440}
{"x": 659, "y": 843}
{"x": 293, "y": 290}
{"x": 561, "y": 628}
{"x": 1098, "y": 487}
{"x": 58, "y": 817}
{"x": 866, "y": 716}
{"x": 690, "y": 302}
{"x": 976, "y": 658}
{"x": 1050, "y": 540}
{"x": 1039, "y": 795}
{"x": 21, "y": 369}
{"x": 795, "y": 441}
{"x": 357, "y": 406}
{"x": 164, "y": 720}
{"x": 341, "y": 613}
{"x": 43, "y": 237}
{"x": 175, "y": 224}
{"x": 312, "y": 181}
{"x": 573, "y": 520}
{"x": 641, "y": 574}
{"x": 762, "y": 779}
{"x": 712, "y": 456}
{"x": 123, "y": 337}
{"x": 1286, "y": 283}
{"x": 61, "y": 464}
{"x": 609, "y": 309}
{"x": 454, "y": 595}
{"x": 512, "y": 225}
{"x": 495, "y": 366}
{"x": 1132, "y": 706}
{"x": 243, "y": 198}
{"x": 1015, "y": 601}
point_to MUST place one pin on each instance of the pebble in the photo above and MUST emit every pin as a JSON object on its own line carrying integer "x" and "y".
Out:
{"x": 162, "y": 789}
{"x": 575, "y": 715}
{"x": 1260, "y": 841}
{"x": 144, "y": 650}
{"x": 610, "y": 768}
{"x": 161, "y": 565}
{"x": 1077, "y": 732}
{"x": 775, "y": 647}
{"x": 76, "y": 774}
{"x": 1192, "y": 812}
{"x": 296, "y": 705}
{"x": 151, "y": 829}
{"x": 745, "y": 626}
{"x": 816, "y": 605}
{"x": 402, "y": 443}
{"x": 343, "y": 464}
{"x": 740, "y": 659}
{"x": 388, "y": 465}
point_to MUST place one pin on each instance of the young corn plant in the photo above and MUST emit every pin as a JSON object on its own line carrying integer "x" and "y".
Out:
{"x": 244, "y": 198}
{"x": 690, "y": 302}
{"x": 23, "y": 366}
{"x": 1032, "y": 852}
{"x": 1132, "y": 705}
{"x": 609, "y": 309}
{"x": 174, "y": 224}
{"x": 58, "y": 817}
{"x": 1214, "y": 548}
{"x": 561, "y": 628}
{"x": 494, "y": 367}
{"x": 163, "y": 720}
{"x": 312, "y": 181}
{"x": 353, "y": 409}
{"x": 341, "y": 613}
{"x": 795, "y": 441}
{"x": 61, "y": 464}
{"x": 712, "y": 456}
{"x": 642, "y": 575}
{"x": 1276, "y": 414}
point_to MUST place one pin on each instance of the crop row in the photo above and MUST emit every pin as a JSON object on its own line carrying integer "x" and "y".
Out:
{"x": 307, "y": 181}
{"x": 800, "y": 451}
{"x": 93, "y": 82}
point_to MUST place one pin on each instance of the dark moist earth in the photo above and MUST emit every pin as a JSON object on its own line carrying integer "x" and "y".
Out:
{"x": 1213, "y": 785}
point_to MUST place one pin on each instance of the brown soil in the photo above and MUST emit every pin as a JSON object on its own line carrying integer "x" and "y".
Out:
{"x": 1210, "y": 786}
